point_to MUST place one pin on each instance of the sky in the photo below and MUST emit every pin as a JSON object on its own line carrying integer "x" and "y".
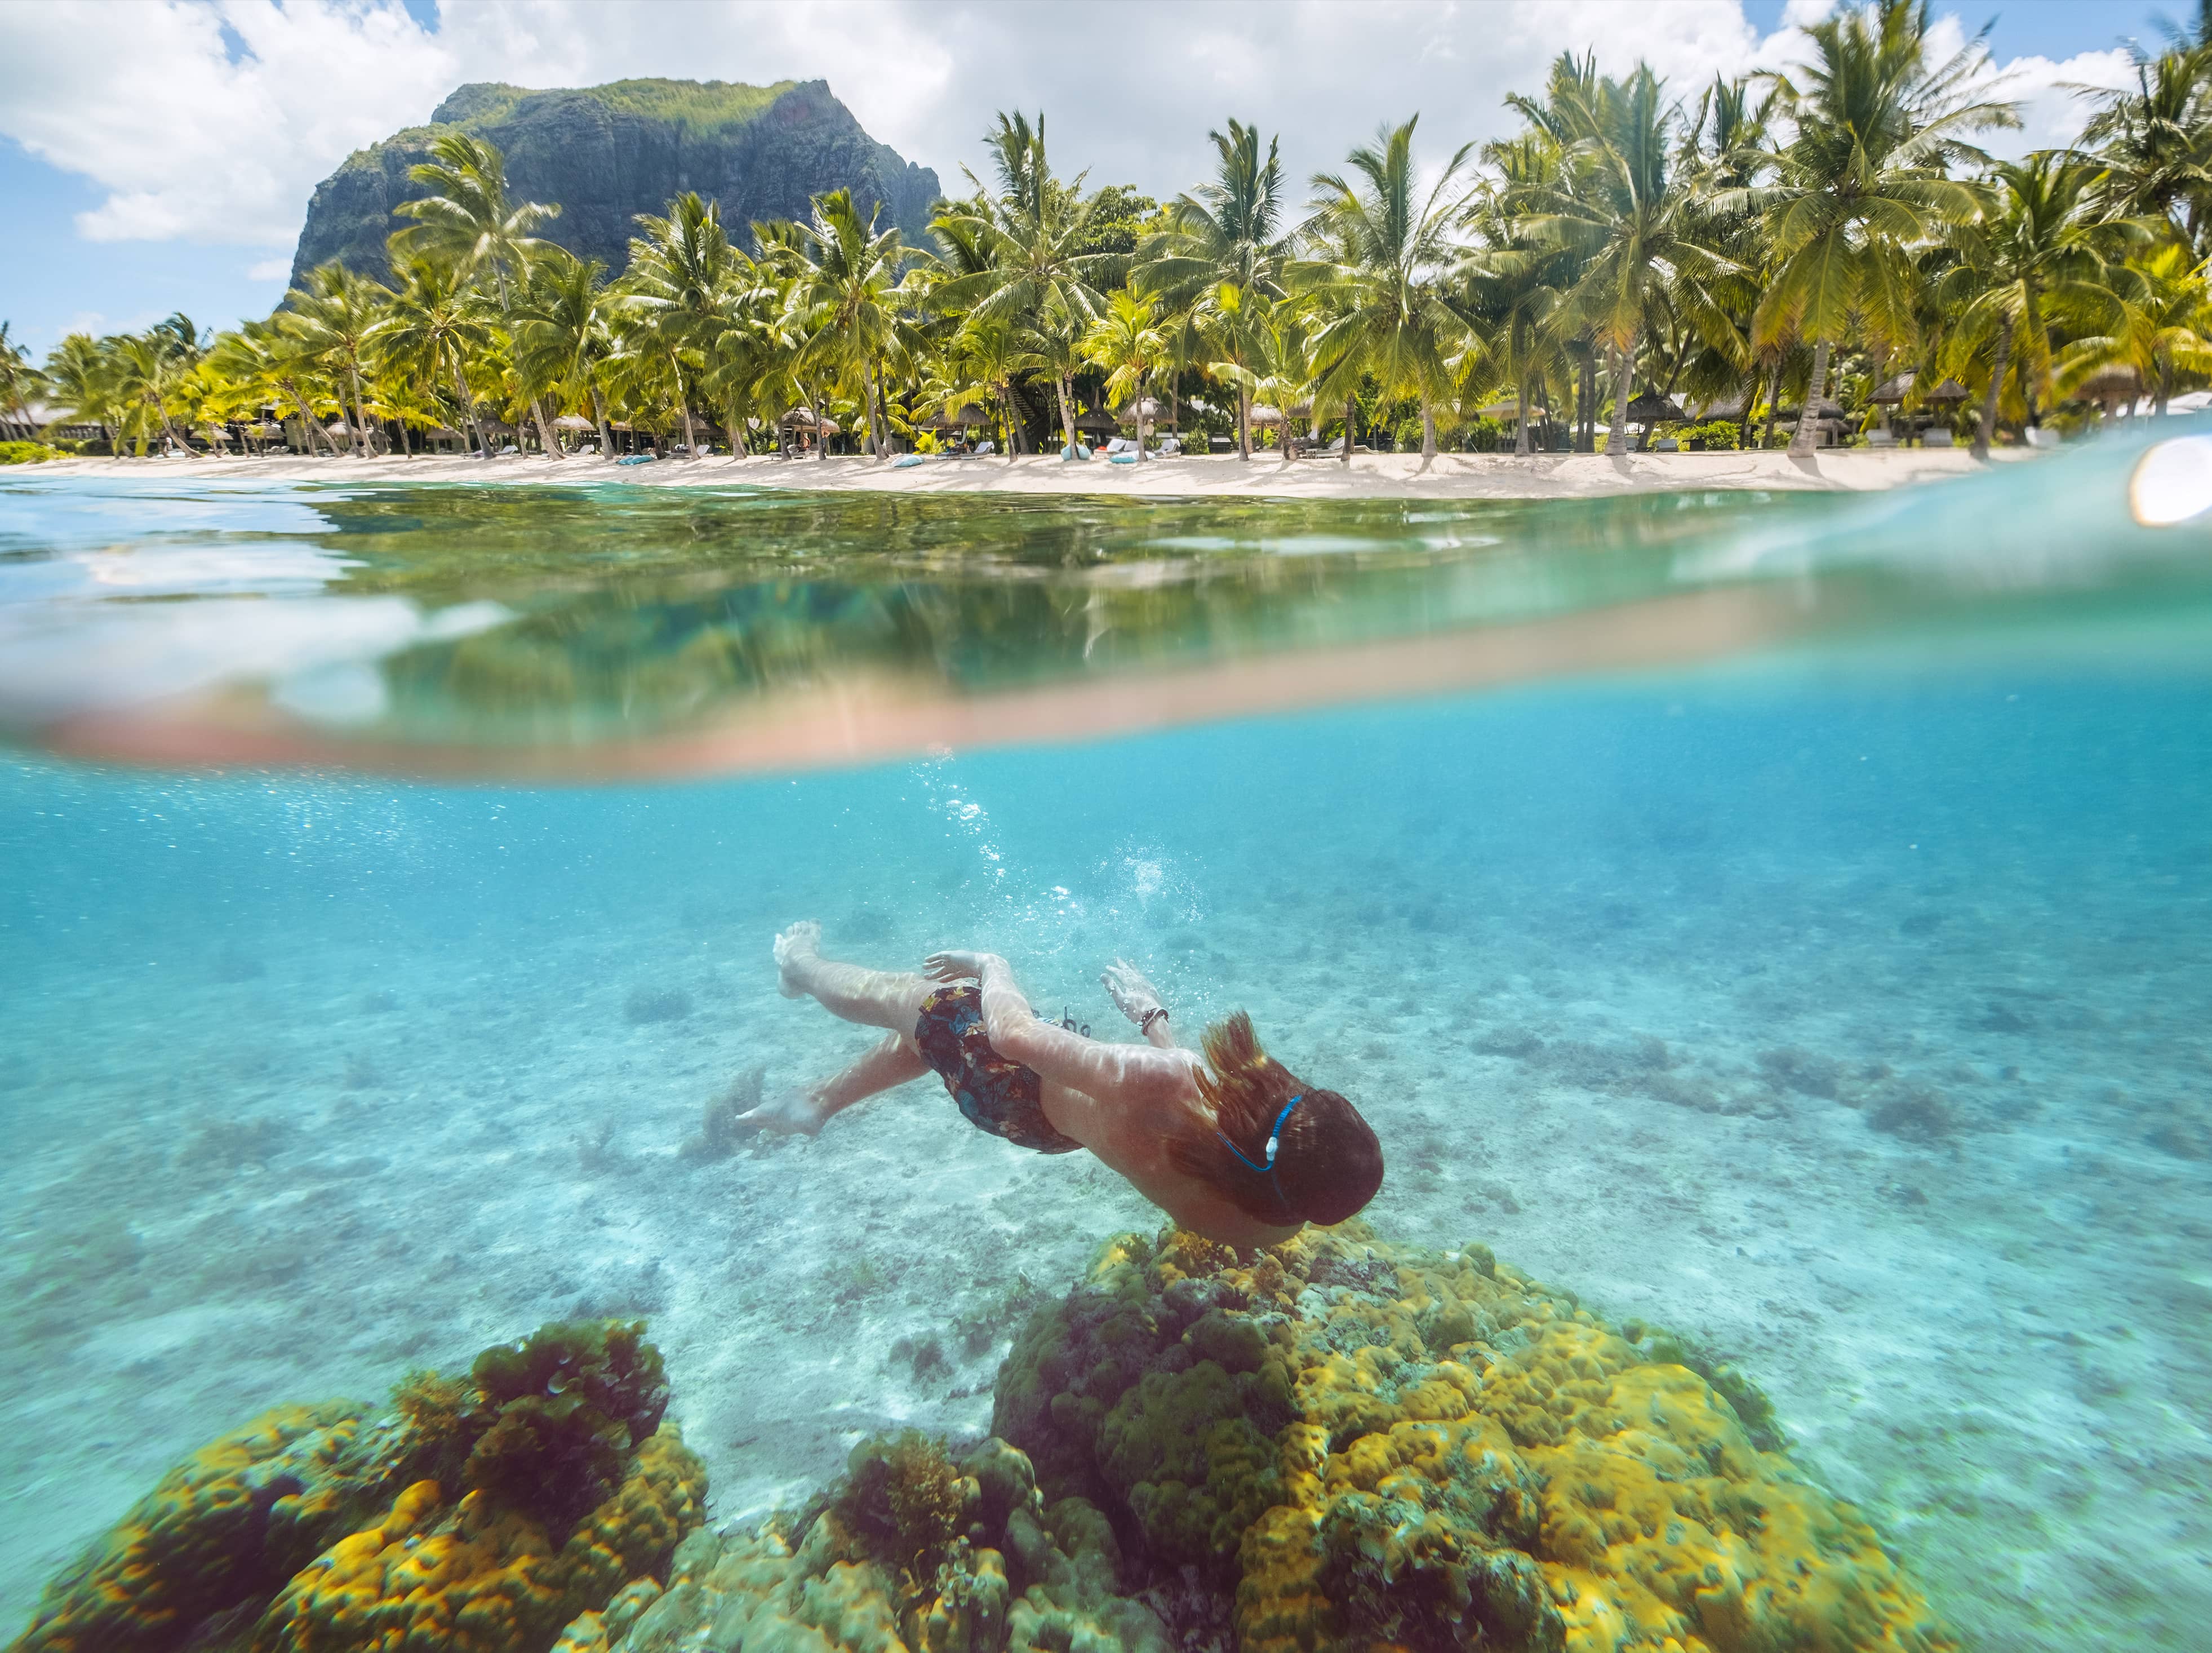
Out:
{"x": 159, "y": 155}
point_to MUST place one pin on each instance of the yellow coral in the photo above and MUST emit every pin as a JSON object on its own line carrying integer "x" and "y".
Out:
{"x": 232, "y": 1520}
{"x": 475, "y": 1577}
{"x": 1470, "y": 1454}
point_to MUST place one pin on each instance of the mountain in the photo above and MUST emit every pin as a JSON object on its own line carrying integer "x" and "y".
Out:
{"x": 608, "y": 153}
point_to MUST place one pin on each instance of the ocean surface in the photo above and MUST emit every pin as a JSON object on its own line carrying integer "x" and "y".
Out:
{"x": 1790, "y": 920}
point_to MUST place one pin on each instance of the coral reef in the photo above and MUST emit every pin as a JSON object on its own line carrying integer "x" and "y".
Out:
{"x": 913, "y": 1552}
{"x": 229, "y": 1524}
{"x": 1378, "y": 1447}
{"x": 571, "y": 1488}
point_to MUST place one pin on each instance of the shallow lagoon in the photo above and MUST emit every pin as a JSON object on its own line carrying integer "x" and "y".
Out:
{"x": 1836, "y": 992}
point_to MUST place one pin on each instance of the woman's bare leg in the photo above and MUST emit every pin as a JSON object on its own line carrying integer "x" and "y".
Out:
{"x": 874, "y": 998}
{"x": 892, "y": 1062}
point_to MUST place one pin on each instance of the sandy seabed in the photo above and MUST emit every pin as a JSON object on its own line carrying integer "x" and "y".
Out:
{"x": 1369, "y": 476}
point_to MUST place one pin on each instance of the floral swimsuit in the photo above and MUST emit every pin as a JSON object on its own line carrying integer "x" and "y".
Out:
{"x": 997, "y": 1095}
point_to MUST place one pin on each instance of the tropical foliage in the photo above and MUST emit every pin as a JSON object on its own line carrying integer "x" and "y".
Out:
{"x": 1711, "y": 261}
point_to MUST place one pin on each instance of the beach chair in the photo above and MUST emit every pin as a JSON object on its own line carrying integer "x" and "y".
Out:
{"x": 1074, "y": 451}
{"x": 986, "y": 446}
{"x": 1171, "y": 449}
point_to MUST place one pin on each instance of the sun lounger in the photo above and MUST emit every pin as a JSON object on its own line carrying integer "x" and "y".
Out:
{"x": 906, "y": 462}
{"x": 986, "y": 446}
{"x": 1120, "y": 459}
{"x": 635, "y": 458}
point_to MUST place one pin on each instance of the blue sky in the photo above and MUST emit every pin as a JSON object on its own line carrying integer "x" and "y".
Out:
{"x": 158, "y": 154}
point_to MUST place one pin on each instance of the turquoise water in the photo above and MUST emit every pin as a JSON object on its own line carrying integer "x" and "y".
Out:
{"x": 1783, "y": 919}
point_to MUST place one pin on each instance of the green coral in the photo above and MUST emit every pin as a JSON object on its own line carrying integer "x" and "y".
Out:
{"x": 903, "y": 1494}
{"x": 1017, "y": 1576}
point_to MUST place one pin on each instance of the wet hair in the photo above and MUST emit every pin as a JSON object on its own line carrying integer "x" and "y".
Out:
{"x": 1328, "y": 1163}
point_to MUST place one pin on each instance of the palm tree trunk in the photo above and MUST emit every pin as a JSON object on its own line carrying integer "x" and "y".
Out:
{"x": 544, "y": 430}
{"x": 406, "y": 448}
{"x": 2164, "y": 384}
{"x": 1428, "y": 434}
{"x": 308, "y": 431}
{"x": 683, "y": 400}
{"x": 1351, "y": 413}
{"x": 1989, "y": 423}
{"x": 469, "y": 409}
{"x": 599, "y": 416}
{"x": 1808, "y": 420}
{"x": 1750, "y": 402}
{"x": 1586, "y": 404}
{"x": 1520, "y": 420}
{"x": 1244, "y": 423}
{"x": 1624, "y": 364}
{"x": 1773, "y": 395}
{"x": 1140, "y": 418}
{"x": 1067, "y": 409}
{"x": 359, "y": 414}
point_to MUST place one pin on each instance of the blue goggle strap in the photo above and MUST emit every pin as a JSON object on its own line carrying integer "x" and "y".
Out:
{"x": 1274, "y": 1138}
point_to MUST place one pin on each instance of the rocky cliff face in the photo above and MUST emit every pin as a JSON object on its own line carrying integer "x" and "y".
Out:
{"x": 608, "y": 153}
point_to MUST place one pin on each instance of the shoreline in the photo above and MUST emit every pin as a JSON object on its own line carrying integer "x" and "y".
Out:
{"x": 1369, "y": 476}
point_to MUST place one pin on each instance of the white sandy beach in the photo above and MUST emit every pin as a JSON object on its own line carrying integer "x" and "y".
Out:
{"x": 1369, "y": 476}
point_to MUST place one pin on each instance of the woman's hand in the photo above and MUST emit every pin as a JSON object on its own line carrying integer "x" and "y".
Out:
{"x": 1132, "y": 995}
{"x": 956, "y": 967}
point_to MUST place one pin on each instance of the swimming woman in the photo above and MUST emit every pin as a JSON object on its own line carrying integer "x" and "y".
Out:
{"x": 1231, "y": 1144}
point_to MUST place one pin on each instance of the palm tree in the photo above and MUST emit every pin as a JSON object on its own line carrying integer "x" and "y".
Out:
{"x": 2154, "y": 141}
{"x": 1031, "y": 236}
{"x": 333, "y": 318}
{"x": 1384, "y": 252}
{"x": 80, "y": 373}
{"x": 433, "y": 324}
{"x": 1620, "y": 205}
{"x": 468, "y": 221}
{"x": 1224, "y": 250}
{"x": 19, "y": 380}
{"x": 848, "y": 289}
{"x": 1127, "y": 343}
{"x": 2162, "y": 325}
{"x": 1862, "y": 178}
{"x": 147, "y": 367}
{"x": 678, "y": 268}
{"x": 561, "y": 333}
{"x": 2040, "y": 251}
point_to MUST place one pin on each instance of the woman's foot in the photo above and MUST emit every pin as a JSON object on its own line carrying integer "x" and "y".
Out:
{"x": 790, "y": 1113}
{"x": 799, "y": 946}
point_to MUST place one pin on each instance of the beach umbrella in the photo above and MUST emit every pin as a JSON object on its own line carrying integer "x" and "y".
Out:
{"x": 1949, "y": 391}
{"x": 1512, "y": 411}
{"x": 1096, "y": 424}
{"x": 971, "y": 414}
{"x": 1650, "y": 408}
{"x": 1300, "y": 410}
{"x": 1727, "y": 407}
{"x": 573, "y": 422}
{"x": 1262, "y": 414}
{"x": 801, "y": 416}
{"x": 1893, "y": 390}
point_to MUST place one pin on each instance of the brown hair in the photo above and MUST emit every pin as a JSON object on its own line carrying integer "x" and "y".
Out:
{"x": 1327, "y": 1163}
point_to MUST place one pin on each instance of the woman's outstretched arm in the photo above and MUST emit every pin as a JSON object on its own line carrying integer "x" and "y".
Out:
{"x": 1130, "y": 1072}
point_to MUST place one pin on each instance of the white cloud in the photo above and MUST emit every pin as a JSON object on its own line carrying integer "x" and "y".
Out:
{"x": 269, "y": 270}
{"x": 2051, "y": 111}
{"x": 143, "y": 97}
